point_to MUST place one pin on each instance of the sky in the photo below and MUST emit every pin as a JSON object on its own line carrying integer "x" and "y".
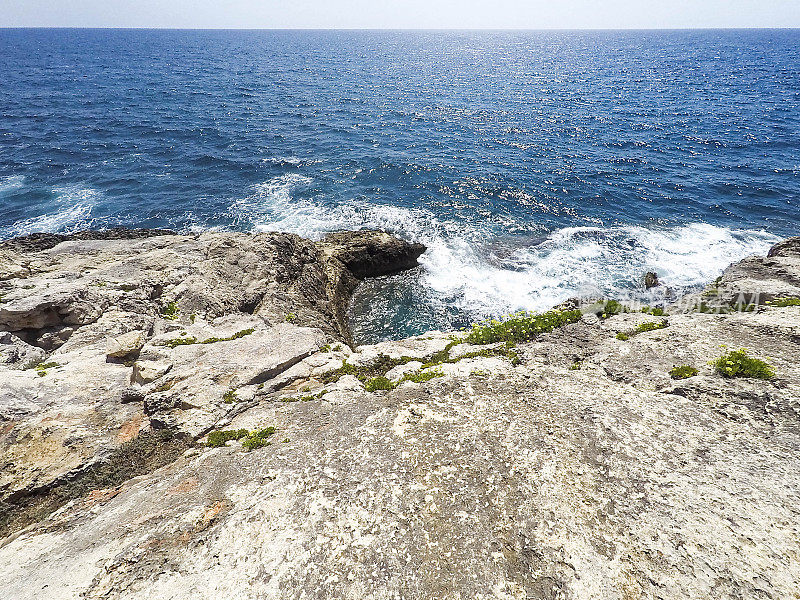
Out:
{"x": 408, "y": 14}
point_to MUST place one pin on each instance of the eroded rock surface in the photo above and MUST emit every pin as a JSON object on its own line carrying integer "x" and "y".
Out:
{"x": 574, "y": 469}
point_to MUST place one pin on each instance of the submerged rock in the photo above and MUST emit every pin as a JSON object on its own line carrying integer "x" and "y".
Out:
{"x": 651, "y": 280}
{"x": 572, "y": 467}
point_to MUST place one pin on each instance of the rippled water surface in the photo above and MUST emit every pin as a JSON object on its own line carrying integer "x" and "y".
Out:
{"x": 535, "y": 165}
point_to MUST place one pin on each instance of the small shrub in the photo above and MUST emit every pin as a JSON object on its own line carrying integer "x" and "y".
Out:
{"x": 378, "y": 383}
{"x": 623, "y": 336}
{"x": 611, "y": 308}
{"x": 520, "y": 327}
{"x": 421, "y": 376}
{"x": 41, "y": 368}
{"x": 658, "y": 312}
{"x": 325, "y": 348}
{"x": 230, "y": 397}
{"x": 738, "y": 363}
{"x": 170, "y": 311}
{"x": 190, "y": 340}
{"x": 217, "y": 439}
{"x": 651, "y": 326}
{"x": 682, "y": 372}
{"x": 783, "y": 302}
{"x": 250, "y": 439}
{"x": 258, "y": 438}
{"x": 290, "y": 317}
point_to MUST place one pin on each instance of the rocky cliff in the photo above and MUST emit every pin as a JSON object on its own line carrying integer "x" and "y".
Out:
{"x": 182, "y": 417}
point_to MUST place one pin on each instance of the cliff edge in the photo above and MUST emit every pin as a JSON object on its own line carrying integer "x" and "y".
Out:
{"x": 181, "y": 417}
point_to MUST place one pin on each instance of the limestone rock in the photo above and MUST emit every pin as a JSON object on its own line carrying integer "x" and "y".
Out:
{"x": 147, "y": 371}
{"x": 583, "y": 470}
{"x": 126, "y": 344}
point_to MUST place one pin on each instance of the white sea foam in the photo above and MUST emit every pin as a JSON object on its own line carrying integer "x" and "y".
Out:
{"x": 468, "y": 268}
{"x": 11, "y": 183}
{"x": 69, "y": 210}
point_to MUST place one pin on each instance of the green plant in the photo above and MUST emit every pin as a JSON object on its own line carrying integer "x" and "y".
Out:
{"x": 658, "y": 312}
{"x": 783, "y": 302}
{"x": 623, "y": 336}
{"x": 41, "y": 368}
{"x": 682, "y": 372}
{"x": 421, "y": 376}
{"x": 651, "y": 326}
{"x": 188, "y": 341}
{"x": 290, "y": 317}
{"x": 611, "y": 308}
{"x": 258, "y": 438}
{"x": 250, "y": 439}
{"x": 519, "y": 327}
{"x": 325, "y": 348}
{"x": 378, "y": 383}
{"x": 170, "y": 311}
{"x": 230, "y": 397}
{"x": 217, "y": 439}
{"x": 737, "y": 363}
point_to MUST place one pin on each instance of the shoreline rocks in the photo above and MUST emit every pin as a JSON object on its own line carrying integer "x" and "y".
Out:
{"x": 573, "y": 466}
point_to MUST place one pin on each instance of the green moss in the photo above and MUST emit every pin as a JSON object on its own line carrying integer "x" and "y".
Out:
{"x": 230, "y": 397}
{"x": 783, "y": 302}
{"x": 191, "y": 340}
{"x": 519, "y": 327}
{"x": 643, "y": 328}
{"x": 421, "y": 376}
{"x": 378, "y": 383}
{"x": 682, "y": 372}
{"x": 737, "y": 363}
{"x": 258, "y": 438}
{"x": 651, "y": 326}
{"x": 170, "y": 311}
{"x": 217, "y": 439}
{"x": 250, "y": 439}
{"x": 290, "y": 317}
{"x": 41, "y": 368}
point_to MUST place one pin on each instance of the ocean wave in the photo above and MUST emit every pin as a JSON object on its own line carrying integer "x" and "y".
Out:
{"x": 11, "y": 183}
{"x": 472, "y": 270}
{"x": 69, "y": 210}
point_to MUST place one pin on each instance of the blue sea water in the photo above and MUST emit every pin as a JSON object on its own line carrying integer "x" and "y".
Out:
{"x": 535, "y": 165}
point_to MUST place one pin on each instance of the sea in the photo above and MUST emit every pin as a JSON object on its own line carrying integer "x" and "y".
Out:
{"x": 534, "y": 165}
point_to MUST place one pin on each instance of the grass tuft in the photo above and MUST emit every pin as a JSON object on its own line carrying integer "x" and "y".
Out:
{"x": 682, "y": 372}
{"x": 378, "y": 383}
{"x": 258, "y": 438}
{"x": 737, "y": 363}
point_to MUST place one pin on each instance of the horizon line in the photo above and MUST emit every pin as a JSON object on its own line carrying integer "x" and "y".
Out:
{"x": 143, "y": 28}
